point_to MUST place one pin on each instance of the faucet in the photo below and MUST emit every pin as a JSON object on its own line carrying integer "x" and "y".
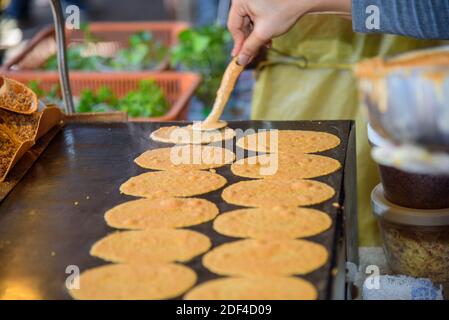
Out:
{"x": 58, "y": 19}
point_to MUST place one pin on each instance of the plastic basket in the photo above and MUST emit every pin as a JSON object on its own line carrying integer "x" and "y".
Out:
{"x": 178, "y": 87}
{"x": 113, "y": 35}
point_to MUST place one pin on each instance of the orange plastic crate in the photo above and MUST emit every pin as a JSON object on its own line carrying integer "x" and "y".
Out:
{"x": 178, "y": 87}
{"x": 113, "y": 36}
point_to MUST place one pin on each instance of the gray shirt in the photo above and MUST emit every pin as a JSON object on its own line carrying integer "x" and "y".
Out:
{"x": 424, "y": 19}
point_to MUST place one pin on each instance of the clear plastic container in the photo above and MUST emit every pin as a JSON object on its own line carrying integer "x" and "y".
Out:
{"x": 416, "y": 242}
{"x": 414, "y": 190}
{"x": 410, "y": 189}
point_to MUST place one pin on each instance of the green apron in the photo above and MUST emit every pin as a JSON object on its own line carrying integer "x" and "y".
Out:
{"x": 319, "y": 85}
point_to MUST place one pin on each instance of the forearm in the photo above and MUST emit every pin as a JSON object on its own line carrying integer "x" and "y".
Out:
{"x": 426, "y": 19}
{"x": 343, "y": 6}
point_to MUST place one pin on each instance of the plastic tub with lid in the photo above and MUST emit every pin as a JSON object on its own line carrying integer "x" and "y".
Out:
{"x": 416, "y": 242}
{"x": 411, "y": 177}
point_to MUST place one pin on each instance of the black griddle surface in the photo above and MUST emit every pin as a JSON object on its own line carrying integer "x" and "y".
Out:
{"x": 55, "y": 214}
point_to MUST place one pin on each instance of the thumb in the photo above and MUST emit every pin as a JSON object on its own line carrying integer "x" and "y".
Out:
{"x": 251, "y": 47}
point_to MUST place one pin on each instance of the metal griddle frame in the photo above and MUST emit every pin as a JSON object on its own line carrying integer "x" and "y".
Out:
{"x": 40, "y": 216}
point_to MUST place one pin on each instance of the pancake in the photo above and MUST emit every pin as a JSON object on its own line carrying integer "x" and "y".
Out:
{"x": 16, "y": 97}
{"x": 268, "y": 193}
{"x": 289, "y": 141}
{"x": 285, "y": 166}
{"x": 185, "y": 157}
{"x": 274, "y": 223}
{"x": 266, "y": 288}
{"x": 186, "y": 135}
{"x": 134, "y": 282}
{"x": 23, "y": 127}
{"x": 161, "y": 213}
{"x": 259, "y": 258}
{"x": 167, "y": 184}
{"x": 151, "y": 246}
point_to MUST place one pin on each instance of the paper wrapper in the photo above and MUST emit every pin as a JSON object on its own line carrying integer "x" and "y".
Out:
{"x": 23, "y": 131}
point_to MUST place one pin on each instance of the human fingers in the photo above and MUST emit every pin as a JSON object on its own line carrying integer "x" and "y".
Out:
{"x": 237, "y": 24}
{"x": 251, "y": 47}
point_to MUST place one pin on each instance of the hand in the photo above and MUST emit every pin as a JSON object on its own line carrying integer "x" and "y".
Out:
{"x": 254, "y": 23}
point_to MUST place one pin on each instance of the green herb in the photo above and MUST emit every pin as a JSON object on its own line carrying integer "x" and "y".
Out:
{"x": 205, "y": 50}
{"x": 51, "y": 96}
{"x": 143, "y": 52}
{"x": 103, "y": 100}
{"x": 147, "y": 101}
{"x": 78, "y": 61}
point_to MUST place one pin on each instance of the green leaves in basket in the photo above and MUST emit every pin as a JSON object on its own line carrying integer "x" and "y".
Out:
{"x": 143, "y": 52}
{"x": 147, "y": 101}
{"x": 51, "y": 96}
{"x": 103, "y": 100}
{"x": 78, "y": 61}
{"x": 204, "y": 50}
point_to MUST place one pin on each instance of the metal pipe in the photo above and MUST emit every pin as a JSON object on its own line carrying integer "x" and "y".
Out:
{"x": 59, "y": 22}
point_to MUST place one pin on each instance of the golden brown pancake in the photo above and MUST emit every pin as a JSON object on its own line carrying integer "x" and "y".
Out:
{"x": 267, "y": 193}
{"x": 289, "y": 141}
{"x": 272, "y": 223}
{"x": 186, "y": 135}
{"x": 134, "y": 282}
{"x": 151, "y": 246}
{"x": 185, "y": 157}
{"x": 161, "y": 213}
{"x": 285, "y": 166}
{"x": 259, "y": 258}
{"x": 16, "y": 97}
{"x": 263, "y": 288}
{"x": 167, "y": 184}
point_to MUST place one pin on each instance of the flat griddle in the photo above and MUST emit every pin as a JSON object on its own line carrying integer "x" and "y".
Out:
{"x": 55, "y": 214}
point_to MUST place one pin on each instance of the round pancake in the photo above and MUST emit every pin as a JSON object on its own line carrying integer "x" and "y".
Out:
{"x": 167, "y": 184}
{"x": 161, "y": 213}
{"x": 151, "y": 246}
{"x": 272, "y": 193}
{"x": 289, "y": 141}
{"x": 258, "y": 258}
{"x": 185, "y": 157}
{"x": 274, "y": 223}
{"x": 266, "y": 288}
{"x": 134, "y": 282}
{"x": 186, "y": 135}
{"x": 285, "y": 166}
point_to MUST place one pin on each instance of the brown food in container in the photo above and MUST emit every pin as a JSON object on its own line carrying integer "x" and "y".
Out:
{"x": 409, "y": 189}
{"x": 416, "y": 242}
{"x": 414, "y": 190}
